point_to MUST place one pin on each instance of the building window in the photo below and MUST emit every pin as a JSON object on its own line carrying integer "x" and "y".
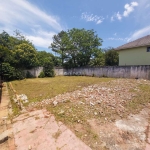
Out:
{"x": 148, "y": 49}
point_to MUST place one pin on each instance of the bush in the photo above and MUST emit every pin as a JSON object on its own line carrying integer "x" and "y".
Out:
{"x": 42, "y": 75}
{"x": 49, "y": 69}
{"x": 8, "y": 71}
{"x": 19, "y": 74}
{"x": 29, "y": 75}
{"x": 49, "y": 73}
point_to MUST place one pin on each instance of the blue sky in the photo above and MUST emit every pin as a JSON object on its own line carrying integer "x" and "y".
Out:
{"x": 115, "y": 21}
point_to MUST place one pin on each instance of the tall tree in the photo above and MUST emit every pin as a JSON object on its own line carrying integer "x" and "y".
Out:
{"x": 4, "y": 45}
{"x": 59, "y": 45}
{"x": 111, "y": 57}
{"x": 24, "y": 56}
{"x": 98, "y": 58}
{"x": 78, "y": 46}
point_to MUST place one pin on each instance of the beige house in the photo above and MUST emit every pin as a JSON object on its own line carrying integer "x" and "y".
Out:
{"x": 135, "y": 53}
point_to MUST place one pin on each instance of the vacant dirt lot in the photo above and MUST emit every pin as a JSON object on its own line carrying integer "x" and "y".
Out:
{"x": 111, "y": 115}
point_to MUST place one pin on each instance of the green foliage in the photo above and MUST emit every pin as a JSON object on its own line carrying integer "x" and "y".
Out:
{"x": 44, "y": 57}
{"x": 47, "y": 61}
{"x": 8, "y": 71}
{"x": 29, "y": 75}
{"x": 98, "y": 58}
{"x": 4, "y": 39}
{"x": 18, "y": 54}
{"x": 19, "y": 74}
{"x": 76, "y": 46}
{"x": 59, "y": 44}
{"x": 111, "y": 57}
{"x": 57, "y": 61}
{"x": 24, "y": 56}
{"x": 42, "y": 75}
{"x": 49, "y": 69}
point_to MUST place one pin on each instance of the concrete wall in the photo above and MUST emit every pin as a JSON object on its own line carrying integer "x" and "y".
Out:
{"x": 134, "y": 56}
{"x": 59, "y": 71}
{"x": 35, "y": 71}
{"x": 141, "y": 72}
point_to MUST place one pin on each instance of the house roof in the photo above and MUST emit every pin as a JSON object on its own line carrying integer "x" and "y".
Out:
{"x": 144, "y": 41}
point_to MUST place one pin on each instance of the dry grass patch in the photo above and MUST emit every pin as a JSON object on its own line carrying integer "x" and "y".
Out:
{"x": 141, "y": 99}
{"x": 39, "y": 89}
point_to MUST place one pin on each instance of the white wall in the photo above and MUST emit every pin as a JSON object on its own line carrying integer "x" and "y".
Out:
{"x": 141, "y": 72}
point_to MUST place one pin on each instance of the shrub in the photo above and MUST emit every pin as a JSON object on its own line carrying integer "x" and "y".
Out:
{"x": 19, "y": 74}
{"x": 8, "y": 71}
{"x": 29, "y": 75}
{"x": 41, "y": 75}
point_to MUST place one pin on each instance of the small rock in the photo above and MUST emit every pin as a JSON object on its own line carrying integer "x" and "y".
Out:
{"x": 92, "y": 104}
{"x": 61, "y": 112}
{"x": 55, "y": 103}
{"x": 82, "y": 103}
{"x": 95, "y": 113}
{"x": 78, "y": 121}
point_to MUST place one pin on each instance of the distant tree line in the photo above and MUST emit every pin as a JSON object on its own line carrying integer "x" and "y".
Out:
{"x": 72, "y": 48}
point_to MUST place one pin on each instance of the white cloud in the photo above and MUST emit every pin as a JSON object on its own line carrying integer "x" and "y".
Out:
{"x": 119, "y": 17}
{"x": 117, "y": 39}
{"x": 140, "y": 33}
{"x": 129, "y": 8}
{"x": 92, "y": 18}
{"x": 116, "y": 16}
{"x": 24, "y": 16}
{"x": 41, "y": 38}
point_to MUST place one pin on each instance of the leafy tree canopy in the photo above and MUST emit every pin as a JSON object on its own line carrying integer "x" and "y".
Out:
{"x": 17, "y": 53}
{"x": 76, "y": 46}
{"x": 111, "y": 57}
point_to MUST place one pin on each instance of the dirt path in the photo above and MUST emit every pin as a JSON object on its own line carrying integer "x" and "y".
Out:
{"x": 6, "y": 136}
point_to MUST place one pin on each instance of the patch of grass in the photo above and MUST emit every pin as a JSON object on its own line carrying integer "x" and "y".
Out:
{"x": 15, "y": 108}
{"x": 41, "y": 88}
{"x": 140, "y": 101}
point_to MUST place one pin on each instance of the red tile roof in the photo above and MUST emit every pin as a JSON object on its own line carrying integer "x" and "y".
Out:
{"x": 144, "y": 41}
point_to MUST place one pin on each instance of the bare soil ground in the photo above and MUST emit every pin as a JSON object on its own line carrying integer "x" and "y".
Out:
{"x": 38, "y": 130}
{"x": 110, "y": 115}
